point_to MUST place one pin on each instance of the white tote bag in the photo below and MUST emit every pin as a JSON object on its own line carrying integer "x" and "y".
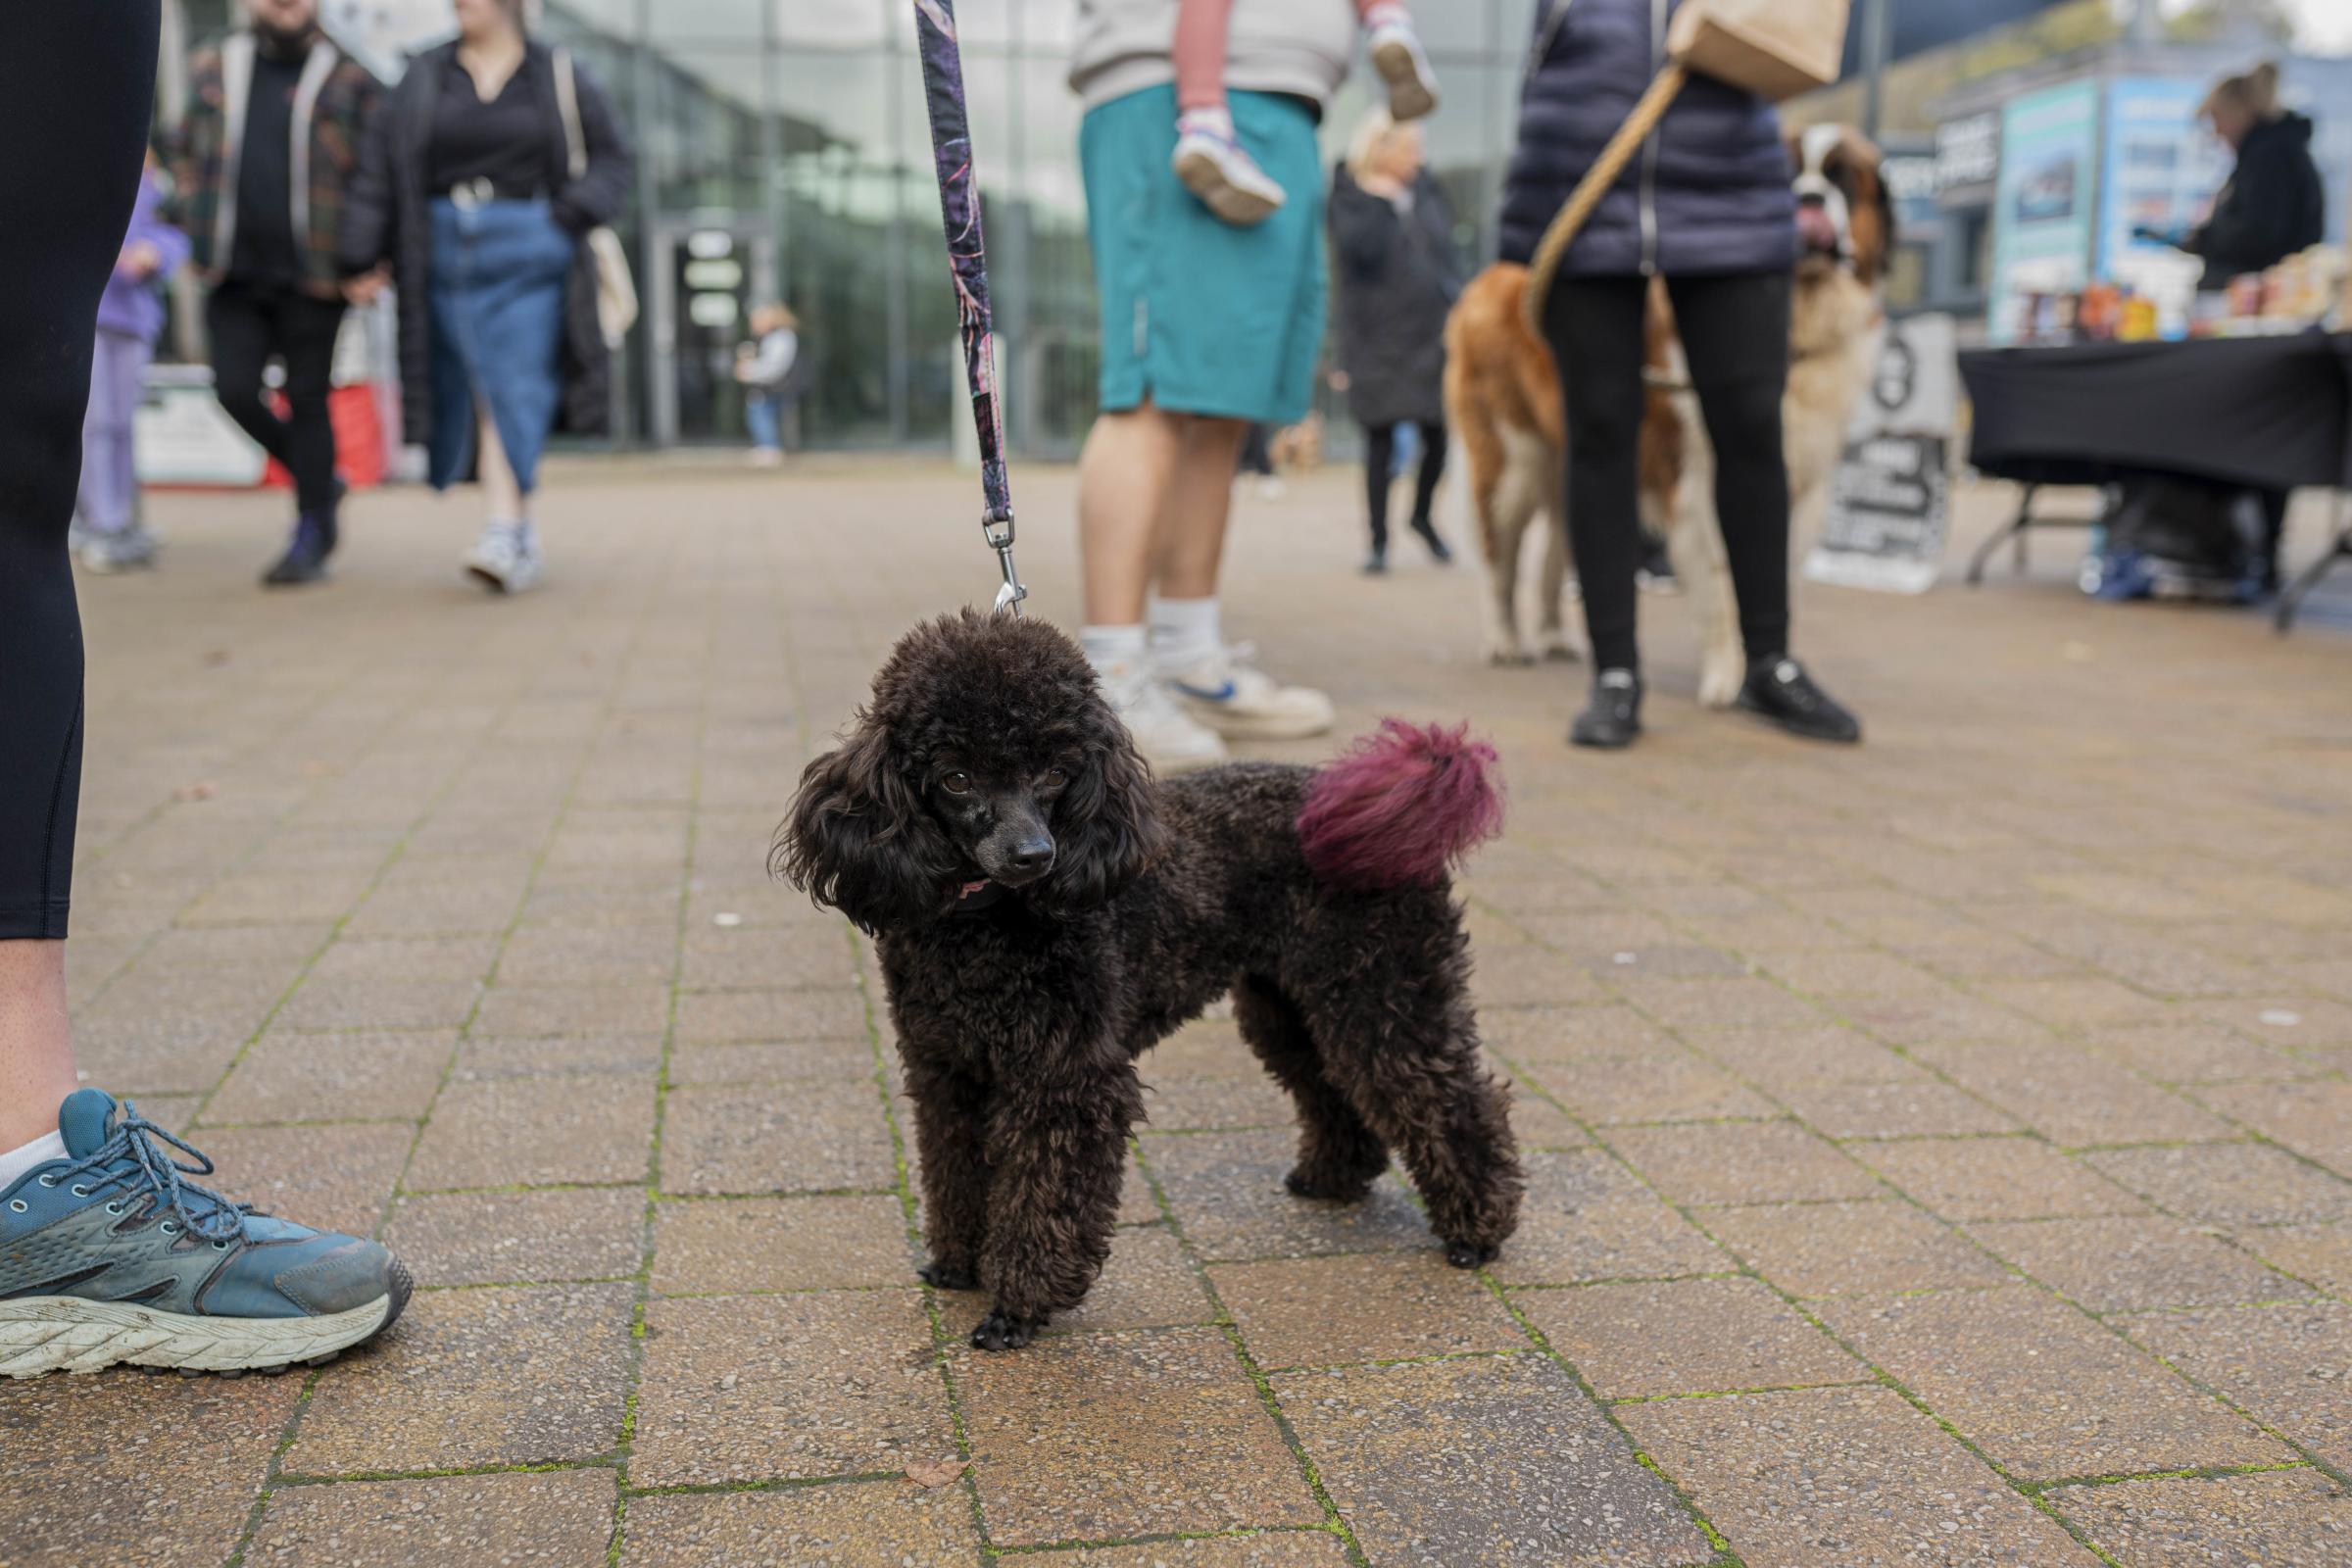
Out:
{"x": 615, "y": 289}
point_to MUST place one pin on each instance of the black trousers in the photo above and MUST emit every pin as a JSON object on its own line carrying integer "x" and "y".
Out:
{"x": 76, "y": 83}
{"x": 252, "y": 325}
{"x": 1380, "y": 468}
{"x": 1735, "y": 333}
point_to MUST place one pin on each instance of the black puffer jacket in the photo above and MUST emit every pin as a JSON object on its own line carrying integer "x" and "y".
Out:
{"x": 1708, "y": 194}
{"x": 2273, "y": 206}
{"x": 387, "y": 217}
{"x": 1397, "y": 278}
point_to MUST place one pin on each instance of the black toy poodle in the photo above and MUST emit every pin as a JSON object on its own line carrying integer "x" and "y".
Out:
{"x": 1043, "y": 911}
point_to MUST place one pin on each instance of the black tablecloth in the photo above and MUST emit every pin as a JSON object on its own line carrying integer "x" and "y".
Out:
{"x": 2269, "y": 413}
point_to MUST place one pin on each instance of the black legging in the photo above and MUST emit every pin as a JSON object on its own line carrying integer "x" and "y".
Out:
{"x": 76, "y": 83}
{"x": 1380, "y": 471}
{"x": 1735, "y": 333}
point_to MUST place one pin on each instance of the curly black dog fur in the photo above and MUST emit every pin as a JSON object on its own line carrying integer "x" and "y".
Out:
{"x": 1045, "y": 912}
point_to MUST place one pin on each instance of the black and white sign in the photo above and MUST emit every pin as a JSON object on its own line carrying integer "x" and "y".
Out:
{"x": 1890, "y": 499}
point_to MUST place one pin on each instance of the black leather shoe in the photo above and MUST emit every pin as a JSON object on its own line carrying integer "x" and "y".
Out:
{"x": 1779, "y": 690}
{"x": 1613, "y": 717}
{"x": 1376, "y": 563}
{"x": 305, "y": 560}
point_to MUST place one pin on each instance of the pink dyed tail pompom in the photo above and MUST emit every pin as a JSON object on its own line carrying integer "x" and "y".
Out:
{"x": 1400, "y": 806}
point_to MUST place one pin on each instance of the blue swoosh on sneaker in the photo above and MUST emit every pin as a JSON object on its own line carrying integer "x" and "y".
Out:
{"x": 1223, "y": 694}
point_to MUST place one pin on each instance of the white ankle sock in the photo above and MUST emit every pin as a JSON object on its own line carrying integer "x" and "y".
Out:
{"x": 1215, "y": 119}
{"x": 15, "y": 1162}
{"x": 1110, "y": 647}
{"x": 1183, "y": 631}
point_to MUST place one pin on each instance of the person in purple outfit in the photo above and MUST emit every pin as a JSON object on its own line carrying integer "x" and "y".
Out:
{"x": 131, "y": 317}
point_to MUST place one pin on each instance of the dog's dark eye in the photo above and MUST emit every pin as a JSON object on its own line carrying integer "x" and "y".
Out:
{"x": 1056, "y": 777}
{"x": 957, "y": 783}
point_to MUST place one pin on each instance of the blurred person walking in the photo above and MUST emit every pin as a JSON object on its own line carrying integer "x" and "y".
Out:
{"x": 465, "y": 190}
{"x": 1206, "y": 328}
{"x": 263, "y": 161}
{"x": 1392, "y": 229}
{"x": 1707, "y": 207}
{"x": 107, "y": 1252}
{"x": 131, "y": 317}
{"x": 768, "y": 369}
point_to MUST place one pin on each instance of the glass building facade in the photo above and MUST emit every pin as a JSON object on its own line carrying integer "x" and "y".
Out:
{"x": 783, "y": 154}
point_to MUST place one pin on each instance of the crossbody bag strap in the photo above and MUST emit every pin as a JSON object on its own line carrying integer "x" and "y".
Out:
{"x": 967, "y": 257}
{"x": 567, "y": 105}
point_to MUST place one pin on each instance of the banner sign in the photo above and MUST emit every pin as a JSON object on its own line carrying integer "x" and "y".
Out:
{"x": 1890, "y": 501}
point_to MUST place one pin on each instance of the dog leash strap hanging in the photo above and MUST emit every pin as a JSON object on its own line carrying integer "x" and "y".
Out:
{"x": 967, "y": 257}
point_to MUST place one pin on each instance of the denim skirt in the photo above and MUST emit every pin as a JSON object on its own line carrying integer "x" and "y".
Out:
{"x": 498, "y": 272}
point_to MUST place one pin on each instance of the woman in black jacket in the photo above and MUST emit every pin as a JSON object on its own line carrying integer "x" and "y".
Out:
{"x": 2273, "y": 204}
{"x": 1392, "y": 232}
{"x": 468, "y": 186}
{"x": 1706, "y": 206}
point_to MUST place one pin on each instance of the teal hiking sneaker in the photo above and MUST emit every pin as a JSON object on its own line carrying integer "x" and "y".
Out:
{"x": 110, "y": 1257}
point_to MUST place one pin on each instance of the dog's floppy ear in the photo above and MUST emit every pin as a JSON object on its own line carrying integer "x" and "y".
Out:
{"x": 860, "y": 841}
{"x": 1106, "y": 830}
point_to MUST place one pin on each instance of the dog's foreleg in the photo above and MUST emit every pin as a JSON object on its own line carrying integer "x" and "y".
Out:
{"x": 951, "y": 1123}
{"x": 1694, "y": 544}
{"x": 1056, "y": 1152}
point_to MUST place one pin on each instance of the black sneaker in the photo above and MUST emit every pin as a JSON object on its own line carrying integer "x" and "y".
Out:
{"x": 1613, "y": 717}
{"x": 1376, "y": 565}
{"x": 305, "y": 560}
{"x": 1428, "y": 532}
{"x": 1778, "y": 689}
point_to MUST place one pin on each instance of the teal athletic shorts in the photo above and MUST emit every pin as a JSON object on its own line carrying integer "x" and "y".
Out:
{"x": 1198, "y": 316}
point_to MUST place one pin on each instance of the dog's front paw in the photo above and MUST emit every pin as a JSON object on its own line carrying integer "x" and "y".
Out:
{"x": 1471, "y": 1254}
{"x": 998, "y": 1332}
{"x": 947, "y": 1277}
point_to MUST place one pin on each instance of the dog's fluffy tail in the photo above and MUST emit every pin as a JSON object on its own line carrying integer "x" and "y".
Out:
{"x": 1400, "y": 806}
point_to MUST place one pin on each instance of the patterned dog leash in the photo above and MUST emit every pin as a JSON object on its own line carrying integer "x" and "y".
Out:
{"x": 967, "y": 257}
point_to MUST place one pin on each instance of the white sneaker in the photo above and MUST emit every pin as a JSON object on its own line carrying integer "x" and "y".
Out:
{"x": 1402, "y": 63}
{"x": 1231, "y": 695}
{"x": 1214, "y": 168}
{"x": 505, "y": 558}
{"x": 107, "y": 553}
{"x": 1170, "y": 741}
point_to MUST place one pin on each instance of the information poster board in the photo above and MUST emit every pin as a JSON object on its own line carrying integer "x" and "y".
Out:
{"x": 2044, "y": 202}
{"x": 2162, "y": 171}
{"x": 1890, "y": 501}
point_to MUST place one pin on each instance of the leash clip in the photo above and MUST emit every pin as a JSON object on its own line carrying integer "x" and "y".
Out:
{"x": 996, "y": 529}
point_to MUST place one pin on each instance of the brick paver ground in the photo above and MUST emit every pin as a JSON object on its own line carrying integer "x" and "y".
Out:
{"x": 1940, "y": 1152}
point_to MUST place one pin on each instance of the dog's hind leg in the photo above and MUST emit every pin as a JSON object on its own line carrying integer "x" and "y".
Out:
{"x": 1555, "y": 637}
{"x": 1339, "y": 1156}
{"x": 1405, "y": 1052}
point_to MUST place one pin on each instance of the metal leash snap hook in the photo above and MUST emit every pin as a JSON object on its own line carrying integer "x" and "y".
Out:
{"x": 998, "y": 531}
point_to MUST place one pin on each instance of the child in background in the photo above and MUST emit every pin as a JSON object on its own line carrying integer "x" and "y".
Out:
{"x": 764, "y": 367}
{"x": 1210, "y": 160}
{"x": 131, "y": 317}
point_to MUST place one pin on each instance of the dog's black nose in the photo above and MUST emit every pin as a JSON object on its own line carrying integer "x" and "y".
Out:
{"x": 1812, "y": 198}
{"x": 1030, "y": 859}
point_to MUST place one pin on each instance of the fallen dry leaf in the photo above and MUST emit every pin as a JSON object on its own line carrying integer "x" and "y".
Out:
{"x": 195, "y": 792}
{"x": 934, "y": 1472}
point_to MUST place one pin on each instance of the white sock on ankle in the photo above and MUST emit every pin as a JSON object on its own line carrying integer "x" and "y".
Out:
{"x": 40, "y": 1151}
{"x": 1184, "y": 632}
{"x": 1383, "y": 16}
{"x": 1110, "y": 647}
{"x": 1215, "y": 119}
